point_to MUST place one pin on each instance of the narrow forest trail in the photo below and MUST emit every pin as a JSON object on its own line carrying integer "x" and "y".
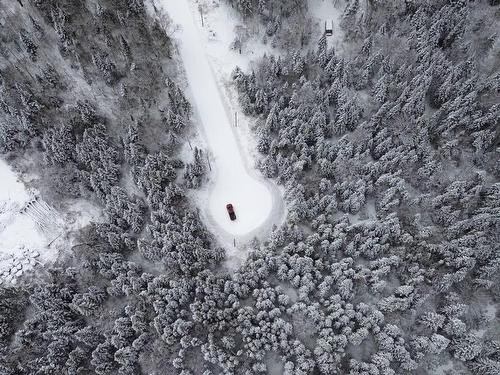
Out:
{"x": 257, "y": 202}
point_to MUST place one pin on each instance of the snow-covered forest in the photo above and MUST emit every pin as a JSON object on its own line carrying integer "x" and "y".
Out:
{"x": 384, "y": 138}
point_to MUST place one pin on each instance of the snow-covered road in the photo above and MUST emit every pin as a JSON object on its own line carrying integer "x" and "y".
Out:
{"x": 257, "y": 202}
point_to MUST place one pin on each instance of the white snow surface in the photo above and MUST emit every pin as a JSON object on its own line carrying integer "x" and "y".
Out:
{"x": 20, "y": 236}
{"x": 31, "y": 231}
{"x": 15, "y": 229}
{"x": 257, "y": 202}
{"x": 327, "y": 11}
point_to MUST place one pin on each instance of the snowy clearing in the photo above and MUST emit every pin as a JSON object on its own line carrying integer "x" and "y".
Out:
{"x": 31, "y": 231}
{"x": 23, "y": 238}
{"x": 257, "y": 202}
{"x": 327, "y": 11}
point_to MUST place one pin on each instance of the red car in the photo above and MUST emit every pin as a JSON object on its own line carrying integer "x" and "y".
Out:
{"x": 230, "y": 211}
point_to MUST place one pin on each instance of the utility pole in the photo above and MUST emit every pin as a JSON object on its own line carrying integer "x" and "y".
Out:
{"x": 209, "y": 166}
{"x": 235, "y": 119}
{"x": 201, "y": 15}
{"x": 189, "y": 142}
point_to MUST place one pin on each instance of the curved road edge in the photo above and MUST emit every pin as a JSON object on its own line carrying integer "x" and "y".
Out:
{"x": 277, "y": 210}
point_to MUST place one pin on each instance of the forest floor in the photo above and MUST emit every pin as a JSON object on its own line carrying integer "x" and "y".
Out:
{"x": 208, "y": 62}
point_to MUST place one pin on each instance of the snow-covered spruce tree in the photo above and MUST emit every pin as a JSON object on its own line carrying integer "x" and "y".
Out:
{"x": 395, "y": 135}
{"x": 388, "y": 255}
{"x": 195, "y": 172}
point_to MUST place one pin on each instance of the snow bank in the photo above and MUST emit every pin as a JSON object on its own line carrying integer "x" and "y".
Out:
{"x": 255, "y": 200}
